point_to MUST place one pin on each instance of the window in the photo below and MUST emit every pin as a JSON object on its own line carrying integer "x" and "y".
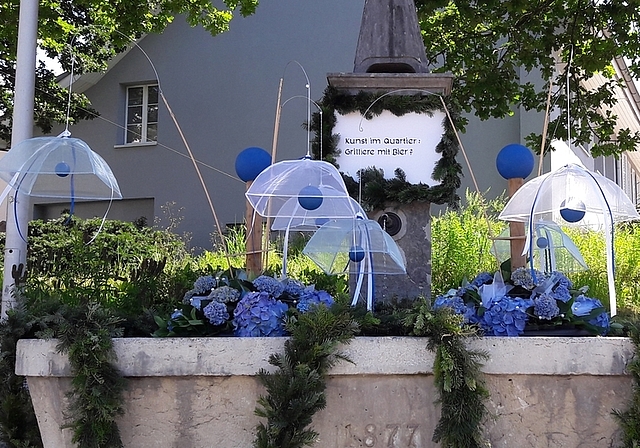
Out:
{"x": 142, "y": 114}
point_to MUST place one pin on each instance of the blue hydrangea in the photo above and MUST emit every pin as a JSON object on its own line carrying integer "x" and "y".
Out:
{"x": 458, "y": 306}
{"x": 583, "y": 305}
{"x": 259, "y": 314}
{"x": 216, "y": 313}
{"x": 545, "y": 307}
{"x": 505, "y": 316}
{"x": 293, "y": 287}
{"x": 482, "y": 279}
{"x": 523, "y": 277}
{"x": 224, "y": 294}
{"x": 204, "y": 284}
{"x": 310, "y": 298}
{"x": 563, "y": 280}
{"x": 175, "y": 315}
{"x": 562, "y": 293}
{"x": 602, "y": 322}
{"x": 196, "y": 301}
{"x": 270, "y": 285}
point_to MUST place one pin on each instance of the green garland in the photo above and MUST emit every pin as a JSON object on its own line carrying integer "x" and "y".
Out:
{"x": 376, "y": 190}
{"x": 296, "y": 390}
{"x": 457, "y": 375}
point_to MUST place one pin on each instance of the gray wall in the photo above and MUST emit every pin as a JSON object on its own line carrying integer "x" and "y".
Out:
{"x": 223, "y": 92}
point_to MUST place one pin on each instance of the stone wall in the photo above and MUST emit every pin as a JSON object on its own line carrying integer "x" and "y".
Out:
{"x": 201, "y": 392}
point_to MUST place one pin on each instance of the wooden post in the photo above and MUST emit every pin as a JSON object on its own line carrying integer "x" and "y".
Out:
{"x": 254, "y": 240}
{"x": 516, "y": 230}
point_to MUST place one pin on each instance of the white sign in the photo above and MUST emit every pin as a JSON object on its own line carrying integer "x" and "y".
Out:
{"x": 388, "y": 142}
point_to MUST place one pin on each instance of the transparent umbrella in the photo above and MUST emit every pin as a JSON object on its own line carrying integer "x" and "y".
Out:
{"x": 309, "y": 182}
{"x": 553, "y": 250}
{"x": 293, "y": 216}
{"x": 58, "y": 167}
{"x": 360, "y": 243}
{"x": 573, "y": 195}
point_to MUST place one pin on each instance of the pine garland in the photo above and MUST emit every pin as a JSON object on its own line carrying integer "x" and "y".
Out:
{"x": 457, "y": 376}
{"x": 376, "y": 190}
{"x": 296, "y": 390}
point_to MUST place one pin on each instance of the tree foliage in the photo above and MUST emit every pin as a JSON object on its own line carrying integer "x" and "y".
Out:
{"x": 488, "y": 46}
{"x": 89, "y": 33}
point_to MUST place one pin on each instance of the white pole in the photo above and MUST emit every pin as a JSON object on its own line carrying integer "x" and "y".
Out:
{"x": 18, "y": 209}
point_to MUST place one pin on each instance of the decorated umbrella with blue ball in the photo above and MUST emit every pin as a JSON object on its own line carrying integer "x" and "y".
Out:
{"x": 573, "y": 195}
{"x": 358, "y": 243}
{"x": 58, "y": 167}
{"x": 291, "y": 188}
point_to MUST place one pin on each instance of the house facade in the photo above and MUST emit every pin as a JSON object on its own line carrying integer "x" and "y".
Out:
{"x": 221, "y": 95}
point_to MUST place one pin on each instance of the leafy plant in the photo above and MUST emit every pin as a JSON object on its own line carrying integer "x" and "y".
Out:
{"x": 295, "y": 391}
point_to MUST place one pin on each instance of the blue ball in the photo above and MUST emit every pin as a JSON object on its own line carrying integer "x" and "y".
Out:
{"x": 356, "y": 254}
{"x": 572, "y": 210}
{"x": 542, "y": 242}
{"x": 251, "y": 162}
{"x": 310, "y": 197}
{"x": 514, "y": 161}
{"x": 62, "y": 169}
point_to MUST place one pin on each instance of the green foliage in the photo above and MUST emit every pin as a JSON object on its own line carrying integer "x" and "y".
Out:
{"x": 296, "y": 390}
{"x": 629, "y": 419}
{"x": 96, "y": 397}
{"x": 457, "y": 375}
{"x": 121, "y": 267}
{"x": 18, "y": 425}
{"x": 460, "y": 244}
{"x": 490, "y": 46}
{"x": 91, "y": 32}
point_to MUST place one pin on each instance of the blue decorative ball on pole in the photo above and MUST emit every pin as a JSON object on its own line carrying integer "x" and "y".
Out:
{"x": 356, "y": 254}
{"x": 310, "y": 197}
{"x": 251, "y": 162}
{"x": 515, "y": 161}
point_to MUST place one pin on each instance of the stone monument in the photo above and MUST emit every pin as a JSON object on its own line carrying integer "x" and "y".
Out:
{"x": 391, "y": 58}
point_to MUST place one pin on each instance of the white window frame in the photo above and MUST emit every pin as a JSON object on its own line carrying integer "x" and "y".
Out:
{"x": 144, "y": 139}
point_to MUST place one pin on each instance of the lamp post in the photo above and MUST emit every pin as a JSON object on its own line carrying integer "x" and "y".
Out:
{"x": 18, "y": 208}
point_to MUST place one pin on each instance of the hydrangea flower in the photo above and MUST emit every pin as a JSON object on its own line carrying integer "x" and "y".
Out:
{"x": 204, "y": 284}
{"x": 188, "y": 295}
{"x": 224, "y": 294}
{"x": 456, "y": 303}
{"x": 216, "y": 313}
{"x": 561, "y": 292}
{"x": 522, "y": 277}
{"x": 196, "y": 301}
{"x": 293, "y": 287}
{"x": 175, "y": 315}
{"x": 506, "y": 316}
{"x": 310, "y": 298}
{"x": 270, "y": 285}
{"x": 482, "y": 279}
{"x": 602, "y": 321}
{"x": 545, "y": 307}
{"x": 583, "y": 305}
{"x": 259, "y": 314}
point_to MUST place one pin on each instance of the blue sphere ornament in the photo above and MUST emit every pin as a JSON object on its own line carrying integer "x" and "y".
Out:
{"x": 62, "y": 169}
{"x": 356, "y": 254}
{"x": 251, "y": 162}
{"x": 321, "y": 221}
{"x": 572, "y": 210}
{"x": 542, "y": 242}
{"x": 514, "y": 161}
{"x": 310, "y": 197}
